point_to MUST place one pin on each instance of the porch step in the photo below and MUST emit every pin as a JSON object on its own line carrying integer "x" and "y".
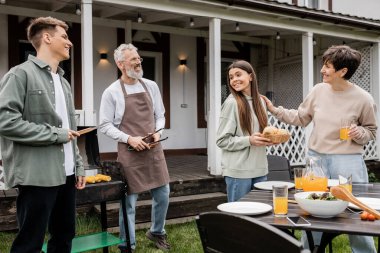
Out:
{"x": 182, "y": 206}
{"x": 192, "y": 187}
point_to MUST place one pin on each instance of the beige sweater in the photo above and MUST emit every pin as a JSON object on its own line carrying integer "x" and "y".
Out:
{"x": 325, "y": 108}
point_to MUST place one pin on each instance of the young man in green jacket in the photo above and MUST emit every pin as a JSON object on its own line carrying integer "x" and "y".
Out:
{"x": 38, "y": 141}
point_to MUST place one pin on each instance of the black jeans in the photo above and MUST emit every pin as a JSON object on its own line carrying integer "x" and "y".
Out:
{"x": 41, "y": 207}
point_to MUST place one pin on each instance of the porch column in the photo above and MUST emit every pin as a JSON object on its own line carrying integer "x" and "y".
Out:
{"x": 128, "y": 31}
{"x": 375, "y": 74}
{"x": 307, "y": 71}
{"x": 87, "y": 64}
{"x": 214, "y": 153}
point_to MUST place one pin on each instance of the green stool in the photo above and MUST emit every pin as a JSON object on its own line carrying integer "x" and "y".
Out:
{"x": 91, "y": 242}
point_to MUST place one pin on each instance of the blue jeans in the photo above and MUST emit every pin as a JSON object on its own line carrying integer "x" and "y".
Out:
{"x": 160, "y": 204}
{"x": 238, "y": 187}
{"x": 345, "y": 165}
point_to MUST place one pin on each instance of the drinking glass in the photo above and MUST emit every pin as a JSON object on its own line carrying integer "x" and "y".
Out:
{"x": 299, "y": 172}
{"x": 345, "y": 125}
{"x": 280, "y": 200}
{"x": 346, "y": 182}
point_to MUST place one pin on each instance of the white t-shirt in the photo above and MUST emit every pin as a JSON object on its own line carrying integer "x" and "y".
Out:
{"x": 61, "y": 109}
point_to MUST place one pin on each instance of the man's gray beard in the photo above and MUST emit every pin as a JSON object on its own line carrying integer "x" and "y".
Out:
{"x": 135, "y": 75}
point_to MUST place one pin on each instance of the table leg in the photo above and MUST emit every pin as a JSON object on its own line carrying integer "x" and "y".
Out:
{"x": 103, "y": 220}
{"x": 326, "y": 239}
{"x": 310, "y": 240}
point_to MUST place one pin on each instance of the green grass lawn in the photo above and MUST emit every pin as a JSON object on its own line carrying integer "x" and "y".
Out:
{"x": 184, "y": 238}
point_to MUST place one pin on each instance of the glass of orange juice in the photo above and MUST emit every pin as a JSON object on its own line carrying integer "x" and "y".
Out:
{"x": 345, "y": 125}
{"x": 346, "y": 182}
{"x": 299, "y": 172}
{"x": 280, "y": 200}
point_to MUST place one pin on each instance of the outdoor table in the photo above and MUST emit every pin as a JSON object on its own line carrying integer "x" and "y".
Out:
{"x": 344, "y": 223}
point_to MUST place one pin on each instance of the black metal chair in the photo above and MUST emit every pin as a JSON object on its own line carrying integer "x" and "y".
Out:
{"x": 279, "y": 168}
{"x": 229, "y": 233}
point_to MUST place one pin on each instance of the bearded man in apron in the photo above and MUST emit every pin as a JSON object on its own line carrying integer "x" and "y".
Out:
{"x": 131, "y": 109}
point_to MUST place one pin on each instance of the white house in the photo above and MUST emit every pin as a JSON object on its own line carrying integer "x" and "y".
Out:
{"x": 282, "y": 39}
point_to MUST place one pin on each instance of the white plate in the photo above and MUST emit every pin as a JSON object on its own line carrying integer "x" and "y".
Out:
{"x": 247, "y": 208}
{"x": 267, "y": 185}
{"x": 371, "y": 202}
{"x": 332, "y": 182}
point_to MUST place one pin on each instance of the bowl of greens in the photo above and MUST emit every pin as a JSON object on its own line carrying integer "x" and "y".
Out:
{"x": 320, "y": 204}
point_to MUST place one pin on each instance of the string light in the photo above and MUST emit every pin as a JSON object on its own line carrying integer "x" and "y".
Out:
{"x": 278, "y": 36}
{"x": 139, "y": 18}
{"x": 77, "y": 10}
{"x": 191, "y": 22}
{"x": 237, "y": 27}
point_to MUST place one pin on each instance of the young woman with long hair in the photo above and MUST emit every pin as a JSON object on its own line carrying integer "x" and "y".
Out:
{"x": 242, "y": 120}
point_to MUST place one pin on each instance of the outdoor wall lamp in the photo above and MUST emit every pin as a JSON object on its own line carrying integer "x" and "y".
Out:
{"x": 183, "y": 62}
{"x": 103, "y": 56}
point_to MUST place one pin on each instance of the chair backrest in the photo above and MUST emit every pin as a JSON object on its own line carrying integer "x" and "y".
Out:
{"x": 279, "y": 168}
{"x": 228, "y": 233}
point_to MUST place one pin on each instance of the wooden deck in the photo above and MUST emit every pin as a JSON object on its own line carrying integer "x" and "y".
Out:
{"x": 187, "y": 167}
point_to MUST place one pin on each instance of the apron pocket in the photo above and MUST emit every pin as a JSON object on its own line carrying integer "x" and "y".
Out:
{"x": 158, "y": 155}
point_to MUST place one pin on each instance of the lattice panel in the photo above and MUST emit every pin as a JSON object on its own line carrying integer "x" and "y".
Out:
{"x": 288, "y": 85}
{"x": 370, "y": 151}
{"x": 2, "y": 185}
{"x": 295, "y": 148}
{"x": 362, "y": 76}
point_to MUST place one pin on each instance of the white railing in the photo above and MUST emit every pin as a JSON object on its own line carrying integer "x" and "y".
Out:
{"x": 295, "y": 148}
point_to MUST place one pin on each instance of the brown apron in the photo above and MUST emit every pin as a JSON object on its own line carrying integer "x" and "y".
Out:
{"x": 147, "y": 169}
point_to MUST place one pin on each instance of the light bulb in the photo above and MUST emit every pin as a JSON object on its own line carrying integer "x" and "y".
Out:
{"x": 314, "y": 42}
{"x": 139, "y": 18}
{"x": 237, "y": 27}
{"x": 77, "y": 10}
{"x": 278, "y": 36}
{"x": 191, "y": 22}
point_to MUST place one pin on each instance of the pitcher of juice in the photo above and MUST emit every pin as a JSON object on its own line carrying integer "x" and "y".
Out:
{"x": 314, "y": 178}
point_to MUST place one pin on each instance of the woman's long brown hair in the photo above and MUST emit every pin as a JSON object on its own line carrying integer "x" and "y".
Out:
{"x": 245, "y": 116}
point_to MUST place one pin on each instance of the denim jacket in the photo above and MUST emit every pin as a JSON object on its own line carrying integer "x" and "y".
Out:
{"x": 30, "y": 130}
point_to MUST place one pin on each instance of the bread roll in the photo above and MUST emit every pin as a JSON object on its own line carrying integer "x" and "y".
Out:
{"x": 276, "y": 135}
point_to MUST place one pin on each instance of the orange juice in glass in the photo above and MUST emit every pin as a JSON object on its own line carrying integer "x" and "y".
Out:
{"x": 280, "y": 200}
{"x": 346, "y": 182}
{"x": 298, "y": 174}
{"x": 343, "y": 133}
{"x": 345, "y": 125}
{"x": 280, "y": 205}
{"x": 313, "y": 183}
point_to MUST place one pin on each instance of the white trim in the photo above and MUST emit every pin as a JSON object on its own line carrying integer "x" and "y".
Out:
{"x": 157, "y": 64}
{"x": 87, "y": 64}
{"x": 375, "y": 89}
{"x": 214, "y": 153}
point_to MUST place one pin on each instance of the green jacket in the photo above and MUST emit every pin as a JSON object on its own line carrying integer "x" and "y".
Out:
{"x": 239, "y": 158}
{"x": 30, "y": 130}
